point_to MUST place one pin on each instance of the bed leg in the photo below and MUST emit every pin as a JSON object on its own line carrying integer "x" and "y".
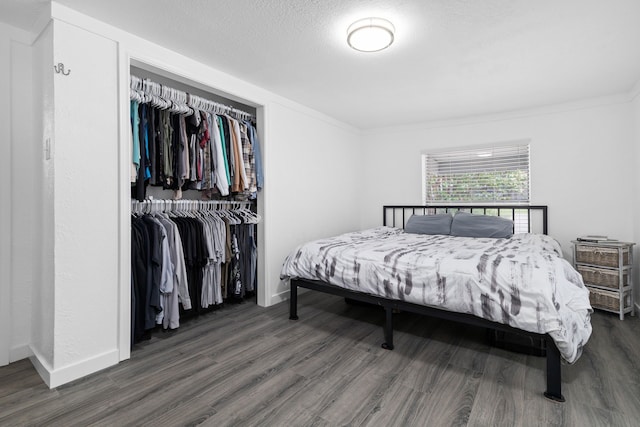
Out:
{"x": 388, "y": 329}
{"x": 554, "y": 377}
{"x": 293, "y": 301}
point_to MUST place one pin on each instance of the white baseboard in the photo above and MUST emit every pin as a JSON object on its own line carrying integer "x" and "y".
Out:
{"x": 278, "y": 298}
{"x": 41, "y": 366}
{"x": 57, "y": 377}
{"x": 284, "y": 296}
{"x": 20, "y": 352}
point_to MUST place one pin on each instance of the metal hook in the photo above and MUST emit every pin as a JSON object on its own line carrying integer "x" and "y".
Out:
{"x": 60, "y": 69}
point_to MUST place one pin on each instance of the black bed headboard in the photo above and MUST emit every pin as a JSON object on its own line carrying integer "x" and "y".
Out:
{"x": 526, "y": 219}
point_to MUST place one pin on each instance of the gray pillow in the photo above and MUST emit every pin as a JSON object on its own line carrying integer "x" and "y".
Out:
{"x": 468, "y": 225}
{"x": 429, "y": 224}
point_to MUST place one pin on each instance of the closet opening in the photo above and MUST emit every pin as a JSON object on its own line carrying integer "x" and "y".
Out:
{"x": 195, "y": 181}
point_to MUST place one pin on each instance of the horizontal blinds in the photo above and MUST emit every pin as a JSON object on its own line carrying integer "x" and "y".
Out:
{"x": 495, "y": 174}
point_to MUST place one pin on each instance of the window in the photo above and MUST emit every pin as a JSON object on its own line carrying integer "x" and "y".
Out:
{"x": 497, "y": 174}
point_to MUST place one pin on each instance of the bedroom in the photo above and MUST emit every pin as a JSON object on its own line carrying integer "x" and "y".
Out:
{"x": 569, "y": 138}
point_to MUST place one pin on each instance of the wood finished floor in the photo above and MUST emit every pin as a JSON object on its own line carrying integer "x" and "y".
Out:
{"x": 245, "y": 365}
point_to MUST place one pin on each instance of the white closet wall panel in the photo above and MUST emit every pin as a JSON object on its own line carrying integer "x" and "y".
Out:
{"x": 42, "y": 293}
{"x": 85, "y": 156}
{"x": 77, "y": 332}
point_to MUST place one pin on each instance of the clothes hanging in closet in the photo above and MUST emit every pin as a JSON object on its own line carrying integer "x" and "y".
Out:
{"x": 216, "y": 154}
{"x": 184, "y": 263}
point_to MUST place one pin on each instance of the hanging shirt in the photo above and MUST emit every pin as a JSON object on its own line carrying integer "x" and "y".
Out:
{"x": 158, "y": 159}
{"x": 205, "y": 146}
{"x": 249, "y": 159}
{"x": 255, "y": 143}
{"x": 139, "y": 190}
{"x": 144, "y": 124}
{"x": 151, "y": 135}
{"x": 224, "y": 137}
{"x": 177, "y": 258}
{"x": 185, "y": 160}
{"x": 135, "y": 147}
{"x": 167, "y": 150}
{"x": 240, "y": 167}
{"x": 221, "y": 176}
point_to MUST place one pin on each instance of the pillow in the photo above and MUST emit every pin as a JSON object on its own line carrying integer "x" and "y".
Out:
{"x": 429, "y": 224}
{"x": 469, "y": 225}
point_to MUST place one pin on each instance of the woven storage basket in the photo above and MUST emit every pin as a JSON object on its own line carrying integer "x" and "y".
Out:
{"x": 606, "y": 257}
{"x": 608, "y": 300}
{"x": 602, "y": 276}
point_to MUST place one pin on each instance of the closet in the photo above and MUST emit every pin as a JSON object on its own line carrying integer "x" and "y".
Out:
{"x": 196, "y": 171}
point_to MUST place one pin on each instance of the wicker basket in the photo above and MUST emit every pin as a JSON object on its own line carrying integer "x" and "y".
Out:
{"x": 606, "y": 257}
{"x": 602, "y": 277}
{"x": 608, "y": 300}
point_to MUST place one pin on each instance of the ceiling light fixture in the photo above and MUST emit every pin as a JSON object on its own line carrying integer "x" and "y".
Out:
{"x": 370, "y": 34}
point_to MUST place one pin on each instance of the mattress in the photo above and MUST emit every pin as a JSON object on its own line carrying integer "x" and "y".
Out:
{"x": 523, "y": 281}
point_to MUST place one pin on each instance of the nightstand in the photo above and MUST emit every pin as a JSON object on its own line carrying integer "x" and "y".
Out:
{"x": 606, "y": 271}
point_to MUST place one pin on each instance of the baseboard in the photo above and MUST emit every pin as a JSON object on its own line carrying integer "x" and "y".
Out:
{"x": 284, "y": 296}
{"x": 57, "y": 377}
{"x": 279, "y": 297}
{"x": 19, "y": 353}
{"x": 41, "y": 366}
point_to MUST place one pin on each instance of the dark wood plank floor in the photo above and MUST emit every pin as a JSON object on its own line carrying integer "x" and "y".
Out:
{"x": 245, "y": 365}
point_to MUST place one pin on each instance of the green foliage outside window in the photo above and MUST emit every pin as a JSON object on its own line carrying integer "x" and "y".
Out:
{"x": 488, "y": 186}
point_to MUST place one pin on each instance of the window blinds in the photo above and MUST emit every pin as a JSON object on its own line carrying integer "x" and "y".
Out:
{"x": 490, "y": 174}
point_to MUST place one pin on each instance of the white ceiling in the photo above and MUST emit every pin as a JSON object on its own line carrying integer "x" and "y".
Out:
{"x": 450, "y": 59}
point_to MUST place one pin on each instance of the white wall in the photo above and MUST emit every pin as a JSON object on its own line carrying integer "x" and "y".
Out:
{"x": 26, "y": 194}
{"x": 18, "y": 226}
{"x": 42, "y": 320}
{"x": 85, "y": 180}
{"x": 5, "y": 209}
{"x": 635, "y": 106}
{"x": 311, "y": 191}
{"x": 581, "y": 163}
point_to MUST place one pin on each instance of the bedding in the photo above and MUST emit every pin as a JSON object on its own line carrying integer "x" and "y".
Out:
{"x": 429, "y": 224}
{"x": 522, "y": 281}
{"x": 469, "y": 225}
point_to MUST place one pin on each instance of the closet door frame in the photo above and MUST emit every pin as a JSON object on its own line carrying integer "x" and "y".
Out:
{"x": 124, "y": 207}
{"x": 126, "y": 59}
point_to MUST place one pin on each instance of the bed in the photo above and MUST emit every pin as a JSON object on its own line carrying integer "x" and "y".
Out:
{"x": 517, "y": 284}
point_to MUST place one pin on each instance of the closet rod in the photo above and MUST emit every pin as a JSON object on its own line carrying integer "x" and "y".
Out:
{"x": 187, "y": 205}
{"x": 165, "y": 97}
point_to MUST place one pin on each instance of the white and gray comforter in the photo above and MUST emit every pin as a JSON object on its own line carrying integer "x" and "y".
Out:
{"x": 523, "y": 281}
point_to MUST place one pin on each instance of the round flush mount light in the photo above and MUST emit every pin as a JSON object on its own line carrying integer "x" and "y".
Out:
{"x": 370, "y": 34}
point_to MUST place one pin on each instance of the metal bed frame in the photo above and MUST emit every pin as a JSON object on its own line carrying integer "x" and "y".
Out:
{"x": 554, "y": 376}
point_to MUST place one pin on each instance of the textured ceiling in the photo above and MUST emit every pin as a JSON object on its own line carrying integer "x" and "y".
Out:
{"x": 450, "y": 59}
